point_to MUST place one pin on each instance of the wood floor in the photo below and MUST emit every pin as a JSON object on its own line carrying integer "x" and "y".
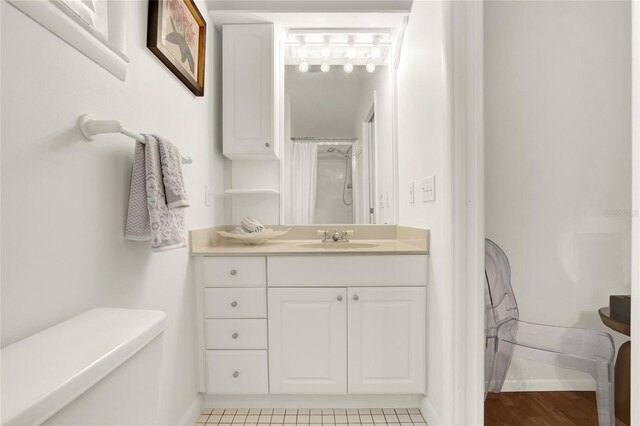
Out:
{"x": 541, "y": 409}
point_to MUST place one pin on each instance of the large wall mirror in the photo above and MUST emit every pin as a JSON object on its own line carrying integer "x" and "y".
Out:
{"x": 338, "y": 155}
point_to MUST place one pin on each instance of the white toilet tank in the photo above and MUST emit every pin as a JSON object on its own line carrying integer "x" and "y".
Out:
{"x": 99, "y": 368}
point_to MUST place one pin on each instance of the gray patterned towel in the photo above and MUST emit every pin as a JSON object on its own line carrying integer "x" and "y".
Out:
{"x": 172, "y": 175}
{"x": 149, "y": 217}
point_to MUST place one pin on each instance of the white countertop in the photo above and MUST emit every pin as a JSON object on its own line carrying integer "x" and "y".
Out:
{"x": 296, "y": 247}
{"x": 387, "y": 239}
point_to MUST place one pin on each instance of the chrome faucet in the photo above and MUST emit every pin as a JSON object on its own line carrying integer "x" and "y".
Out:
{"x": 336, "y": 237}
{"x": 325, "y": 235}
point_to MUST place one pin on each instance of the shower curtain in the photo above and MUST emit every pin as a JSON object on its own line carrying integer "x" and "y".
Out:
{"x": 304, "y": 175}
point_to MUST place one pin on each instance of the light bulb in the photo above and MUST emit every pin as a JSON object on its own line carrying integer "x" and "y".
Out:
{"x": 326, "y": 50}
{"x": 371, "y": 67}
{"x": 304, "y": 66}
{"x": 376, "y": 51}
{"x": 302, "y": 50}
{"x": 348, "y": 67}
{"x": 351, "y": 50}
{"x": 325, "y": 67}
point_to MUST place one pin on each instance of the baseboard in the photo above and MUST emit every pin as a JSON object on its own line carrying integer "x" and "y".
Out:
{"x": 429, "y": 413}
{"x": 191, "y": 415}
{"x": 548, "y": 385}
{"x": 313, "y": 401}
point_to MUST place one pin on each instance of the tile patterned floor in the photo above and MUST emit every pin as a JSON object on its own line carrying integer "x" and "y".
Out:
{"x": 311, "y": 417}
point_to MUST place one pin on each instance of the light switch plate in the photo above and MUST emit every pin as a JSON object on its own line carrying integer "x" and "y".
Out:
{"x": 428, "y": 189}
{"x": 412, "y": 192}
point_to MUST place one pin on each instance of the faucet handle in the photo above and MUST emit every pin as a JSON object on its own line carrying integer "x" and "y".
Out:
{"x": 346, "y": 233}
{"x": 323, "y": 234}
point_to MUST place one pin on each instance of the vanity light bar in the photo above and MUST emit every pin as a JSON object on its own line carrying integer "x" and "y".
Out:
{"x": 326, "y": 54}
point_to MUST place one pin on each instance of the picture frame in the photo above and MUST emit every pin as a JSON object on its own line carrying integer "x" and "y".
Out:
{"x": 176, "y": 34}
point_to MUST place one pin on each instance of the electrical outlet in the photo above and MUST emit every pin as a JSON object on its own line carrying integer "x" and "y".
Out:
{"x": 412, "y": 192}
{"x": 428, "y": 186}
{"x": 207, "y": 195}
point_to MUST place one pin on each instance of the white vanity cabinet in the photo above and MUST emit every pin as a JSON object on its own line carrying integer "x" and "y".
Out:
{"x": 326, "y": 324}
{"x": 310, "y": 352}
{"x": 347, "y": 324}
{"x": 386, "y": 329}
{"x": 308, "y": 340}
{"x": 248, "y": 107}
{"x": 233, "y": 297}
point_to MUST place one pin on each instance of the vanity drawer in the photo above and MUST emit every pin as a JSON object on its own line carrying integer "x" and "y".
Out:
{"x": 340, "y": 270}
{"x": 234, "y": 372}
{"x": 235, "y": 302}
{"x": 234, "y": 272}
{"x": 236, "y": 334}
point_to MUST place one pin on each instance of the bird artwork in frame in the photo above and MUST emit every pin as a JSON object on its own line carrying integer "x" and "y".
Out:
{"x": 176, "y": 34}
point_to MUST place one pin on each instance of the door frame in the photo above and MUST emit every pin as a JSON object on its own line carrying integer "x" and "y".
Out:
{"x": 464, "y": 50}
{"x": 464, "y": 62}
{"x": 370, "y": 128}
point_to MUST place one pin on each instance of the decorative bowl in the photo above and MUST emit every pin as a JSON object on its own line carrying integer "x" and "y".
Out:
{"x": 255, "y": 238}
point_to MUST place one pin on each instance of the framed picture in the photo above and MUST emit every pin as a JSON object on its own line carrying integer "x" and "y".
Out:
{"x": 176, "y": 35}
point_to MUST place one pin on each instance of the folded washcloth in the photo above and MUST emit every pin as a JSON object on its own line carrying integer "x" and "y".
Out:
{"x": 239, "y": 230}
{"x": 149, "y": 216}
{"x": 251, "y": 225}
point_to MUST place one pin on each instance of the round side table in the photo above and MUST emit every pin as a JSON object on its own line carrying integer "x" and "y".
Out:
{"x": 623, "y": 367}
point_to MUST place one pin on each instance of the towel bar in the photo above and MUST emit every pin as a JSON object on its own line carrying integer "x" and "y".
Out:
{"x": 90, "y": 127}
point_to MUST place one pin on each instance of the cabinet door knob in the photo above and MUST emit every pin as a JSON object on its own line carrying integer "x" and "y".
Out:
{"x": 234, "y": 336}
{"x": 234, "y": 304}
{"x": 355, "y": 297}
{"x": 267, "y": 144}
{"x": 235, "y": 374}
{"x": 233, "y": 272}
{"x": 339, "y": 298}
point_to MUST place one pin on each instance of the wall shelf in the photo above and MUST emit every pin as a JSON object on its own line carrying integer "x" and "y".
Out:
{"x": 252, "y": 192}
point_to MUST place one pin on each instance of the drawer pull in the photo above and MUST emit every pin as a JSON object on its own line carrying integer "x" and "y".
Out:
{"x": 233, "y": 272}
{"x": 355, "y": 297}
{"x": 339, "y": 298}
{"x": 235, "y": 374}
{"x": 234, "y": 304}
{"x": 234, "y": 336}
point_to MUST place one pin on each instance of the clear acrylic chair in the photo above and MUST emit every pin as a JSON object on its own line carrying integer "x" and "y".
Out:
{"x": 506, "y": 337}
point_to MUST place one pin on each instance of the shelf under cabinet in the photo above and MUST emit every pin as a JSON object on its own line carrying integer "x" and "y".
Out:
{"x": 252, "y": 192}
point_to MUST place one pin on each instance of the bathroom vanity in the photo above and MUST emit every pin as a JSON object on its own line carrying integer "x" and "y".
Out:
{"x": 296, "y": 316}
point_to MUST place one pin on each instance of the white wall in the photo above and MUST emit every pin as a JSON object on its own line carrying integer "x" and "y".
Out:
{"x": 558, "y": 175}
{"x": 64, "y": 200}
{"x": 323, "y": 104}
{"x": 423, "y": 150}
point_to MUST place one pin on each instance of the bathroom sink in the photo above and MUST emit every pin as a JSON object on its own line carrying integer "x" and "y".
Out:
{"x": 339, "y": 246}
